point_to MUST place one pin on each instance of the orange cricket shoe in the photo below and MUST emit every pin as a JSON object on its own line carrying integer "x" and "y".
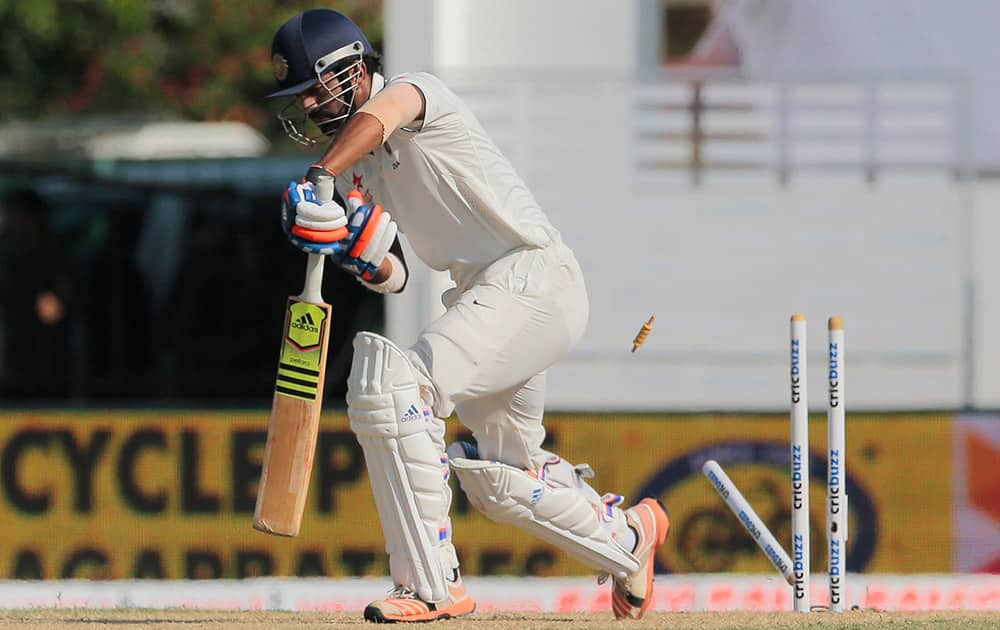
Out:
{"x": 633, "y": 595}
{"x": 403, "y": 605}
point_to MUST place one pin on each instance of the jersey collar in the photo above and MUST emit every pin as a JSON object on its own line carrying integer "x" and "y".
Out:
{"x": 378, "y": 82}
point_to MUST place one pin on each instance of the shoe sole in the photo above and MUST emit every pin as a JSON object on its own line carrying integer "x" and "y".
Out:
{"x": 375, "y": 615}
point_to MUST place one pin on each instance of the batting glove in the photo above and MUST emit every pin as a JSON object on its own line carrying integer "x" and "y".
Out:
{"x": 312, "y": 225}
{"x": 372, "y": 232}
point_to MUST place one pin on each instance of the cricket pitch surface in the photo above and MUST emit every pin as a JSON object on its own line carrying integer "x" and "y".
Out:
{"x": 174, "y": 619}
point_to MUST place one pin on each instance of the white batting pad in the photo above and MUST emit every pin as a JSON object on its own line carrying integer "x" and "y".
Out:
{"x": 407, "y": 470}
{"x": 562, "y": 516}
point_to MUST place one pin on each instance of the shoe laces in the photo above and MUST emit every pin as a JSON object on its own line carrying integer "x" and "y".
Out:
{"x": 402, "y": 592}
{"x": 618, "y": 582}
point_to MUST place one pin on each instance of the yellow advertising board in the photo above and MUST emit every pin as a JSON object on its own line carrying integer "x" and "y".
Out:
{"x": 165, "y": 494}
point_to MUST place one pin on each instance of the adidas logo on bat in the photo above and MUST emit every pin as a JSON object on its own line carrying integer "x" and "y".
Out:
{"x": 305, "y": 323}
{"x": 412, "y": 414}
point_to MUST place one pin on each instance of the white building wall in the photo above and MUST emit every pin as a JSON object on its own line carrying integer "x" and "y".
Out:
{"x": 724, "y": 255}
{"x": 594, "y": 35}
{"x": 986, "y": 277}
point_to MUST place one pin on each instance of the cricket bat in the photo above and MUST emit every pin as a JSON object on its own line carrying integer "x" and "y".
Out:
{"x": 298, "y": 401}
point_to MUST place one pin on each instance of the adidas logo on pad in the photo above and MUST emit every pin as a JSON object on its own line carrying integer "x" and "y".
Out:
{"x": 536, "y": 495}
{"x": 412, "y": 414}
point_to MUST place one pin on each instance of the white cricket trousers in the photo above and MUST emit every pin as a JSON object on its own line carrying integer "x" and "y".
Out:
{"x": 486, "y": 356}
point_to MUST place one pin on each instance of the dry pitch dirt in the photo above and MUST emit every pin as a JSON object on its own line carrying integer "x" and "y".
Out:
{"x": 191, "y": 619}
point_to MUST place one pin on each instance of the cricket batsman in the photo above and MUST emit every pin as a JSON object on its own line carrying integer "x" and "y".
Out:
{"x": 410, "y": 145}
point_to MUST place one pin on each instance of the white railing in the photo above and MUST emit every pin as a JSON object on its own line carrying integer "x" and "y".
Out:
{"x": 867, "y": 126}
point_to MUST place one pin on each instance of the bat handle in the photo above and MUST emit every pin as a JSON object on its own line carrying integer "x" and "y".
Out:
{"x": 324, "y": 182}
{"x": 312, "y": 292}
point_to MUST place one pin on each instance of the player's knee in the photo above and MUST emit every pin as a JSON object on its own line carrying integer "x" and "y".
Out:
{"x": 428, "y": 388}
{"x": 380, "y": 381}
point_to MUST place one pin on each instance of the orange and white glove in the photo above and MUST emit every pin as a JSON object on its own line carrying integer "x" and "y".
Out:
{"x": 371, "y": 232}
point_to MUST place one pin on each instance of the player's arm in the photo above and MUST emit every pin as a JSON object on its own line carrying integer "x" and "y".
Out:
{"x": 392, "y": 273}
{"x": 398, "y": 105}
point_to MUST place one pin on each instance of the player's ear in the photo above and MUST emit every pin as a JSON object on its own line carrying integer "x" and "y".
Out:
{"x": 365, "y": 79}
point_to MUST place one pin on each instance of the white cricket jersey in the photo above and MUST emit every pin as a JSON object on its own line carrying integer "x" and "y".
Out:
{"x": 455, "y": 196}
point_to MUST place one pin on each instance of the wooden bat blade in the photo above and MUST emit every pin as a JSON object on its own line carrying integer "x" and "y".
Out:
{"x": 294, "y": 424}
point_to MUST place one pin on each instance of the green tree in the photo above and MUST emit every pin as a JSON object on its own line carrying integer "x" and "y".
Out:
{"x": 186, "y": 59}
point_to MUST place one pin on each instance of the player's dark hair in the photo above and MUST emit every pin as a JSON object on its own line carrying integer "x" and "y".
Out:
{"x": 373, "y": 62}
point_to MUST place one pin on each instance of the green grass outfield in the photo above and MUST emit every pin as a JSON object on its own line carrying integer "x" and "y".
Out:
{"x": 216, "y": 620}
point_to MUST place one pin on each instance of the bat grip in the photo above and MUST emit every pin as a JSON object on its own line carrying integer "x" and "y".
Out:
{"x": 324, "y": 182}
{"x": 312, "y": 292}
